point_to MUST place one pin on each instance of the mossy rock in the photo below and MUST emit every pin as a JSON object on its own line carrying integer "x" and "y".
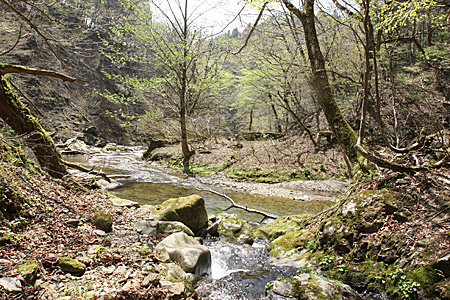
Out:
{"x": 235, "y": 228}
{"x": 72, "y": 266}
{"x": 29, "y": 270}
{"x": 427, "y": 277}
{"x": 363, "y": 213}
{"x": 280, "y": 226}
{"x": 188, "y": 210}
{"x": 291, "y": 241}
{"x": 103, "y": 221}
{"x": 308, "y": 286}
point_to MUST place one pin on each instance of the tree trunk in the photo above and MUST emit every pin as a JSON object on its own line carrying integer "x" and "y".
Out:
{"x": 183, "y": 96}
{"x": 277, "y": 118}
{"x": 344, "y": 134}
{"x": 20, "y": 119}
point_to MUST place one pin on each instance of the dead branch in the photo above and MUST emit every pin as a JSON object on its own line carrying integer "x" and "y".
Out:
{"x": 235, "y": 205}
{"x": 8, "y": 68}
{"x": 253, "y": 29}
{"x": 83, "y": 169}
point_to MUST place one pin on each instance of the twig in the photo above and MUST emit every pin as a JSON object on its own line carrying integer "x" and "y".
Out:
{"x": 439, "y": 213}
{"x": 235, "y": 205}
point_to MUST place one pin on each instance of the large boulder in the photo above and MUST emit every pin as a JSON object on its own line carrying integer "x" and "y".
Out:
{"x": 362, "y": 214}
{"x": 189, "y": 210}
{"x": 308, "y": 286}
{"x": 188, "y": 252}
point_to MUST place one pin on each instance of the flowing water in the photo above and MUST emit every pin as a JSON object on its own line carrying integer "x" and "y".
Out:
{"x": 239, "y": 272}
{"x": 148, "y": 183}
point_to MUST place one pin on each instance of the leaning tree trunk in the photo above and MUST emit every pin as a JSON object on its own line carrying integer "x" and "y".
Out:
{"x": 20, "y": 119}
{"x": 343, "y": 132}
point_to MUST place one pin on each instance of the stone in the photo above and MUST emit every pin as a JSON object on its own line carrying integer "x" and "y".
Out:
{"x": 73, "y": 222}
{"x": 213, "y": 230}
{"x": 99, "y": 232}
{"x": 175, "y": 289}
{"x": 150, "y": 227}
{"x": 175, "y": 272}
{"x": 119, "y": 202}
{"x": 29, "y": 270}
{"x": 150, "y": 279}
{"x": 127, "y": 286}
{"x": 72, "y": 266}
{"x": 235, "y": 228}
{"x": 11, "y": 284}
{"x": 309, "y": 286}
{"x": 103, "y": 184}
{"x": 188, "y": 252}
{"x": 189, "y": 210}
{"x": 443, "y": 264}
{"x": 103, "y": 221}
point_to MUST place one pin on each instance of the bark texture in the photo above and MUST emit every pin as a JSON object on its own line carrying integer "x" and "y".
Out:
{"x": 20, "y": 119}
{"x": 343, "y": 132}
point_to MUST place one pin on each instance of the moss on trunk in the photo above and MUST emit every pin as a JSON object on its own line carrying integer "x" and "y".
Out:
{"x": 21, "y": 120}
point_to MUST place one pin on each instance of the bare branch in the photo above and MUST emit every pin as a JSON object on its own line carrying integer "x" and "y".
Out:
{"x": 235, "y": 205}
{"x": 7, "y": 68}
{"x": 253, "y": 29}
{"x": 35, "y": 28}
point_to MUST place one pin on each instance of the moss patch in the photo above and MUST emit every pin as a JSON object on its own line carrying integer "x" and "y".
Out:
{"x": 103, "y": 221}
{"x": 73, "y": 266}
{"x": 29, "y": 270}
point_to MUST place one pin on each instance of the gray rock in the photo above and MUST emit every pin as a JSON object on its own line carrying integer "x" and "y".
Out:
{"x": 106, "y": 185}
{"x": 11, "y": 284}
{"x": 175, "y": 272}
{"x": 189, "y": 210}
{"x": 188, "y": 252}
{"x": 150, "y": 279}
{"x": 158, "y": 227}
{"x": 119, "y": 202}
{"x": 308, "y": 286}
{"x": 176, "y": 289}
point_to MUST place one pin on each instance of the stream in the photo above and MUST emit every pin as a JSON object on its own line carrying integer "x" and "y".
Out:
{"x": 238, "y": 271}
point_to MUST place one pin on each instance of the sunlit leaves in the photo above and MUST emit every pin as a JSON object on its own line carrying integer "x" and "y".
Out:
{"x": 395, "y": 15}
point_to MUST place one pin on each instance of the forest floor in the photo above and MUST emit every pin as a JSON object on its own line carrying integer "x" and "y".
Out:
{"x": 267, "y": 160}
{"x": 44, "y": 221}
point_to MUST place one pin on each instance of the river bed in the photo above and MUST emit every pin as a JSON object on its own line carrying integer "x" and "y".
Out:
{"x": 238, "y": 271}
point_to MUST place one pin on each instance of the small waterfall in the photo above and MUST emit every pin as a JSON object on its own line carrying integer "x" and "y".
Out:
{"x": 239, "y": 271}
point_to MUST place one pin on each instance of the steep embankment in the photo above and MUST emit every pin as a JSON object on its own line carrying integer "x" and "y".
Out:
{"x": 392, "y": 235}
{"x": 53, "y": 242}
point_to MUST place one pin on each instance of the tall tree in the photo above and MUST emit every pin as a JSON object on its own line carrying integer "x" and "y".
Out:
{"x": 184, "y": 61}
{"x": 344, "y": 133}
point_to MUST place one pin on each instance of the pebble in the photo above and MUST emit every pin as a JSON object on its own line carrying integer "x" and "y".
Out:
{"x": 99, "y": 232}
{"x": 11, "y": 284}
{"x": 109, "y": 270}
{"x": 127, "y": 286}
